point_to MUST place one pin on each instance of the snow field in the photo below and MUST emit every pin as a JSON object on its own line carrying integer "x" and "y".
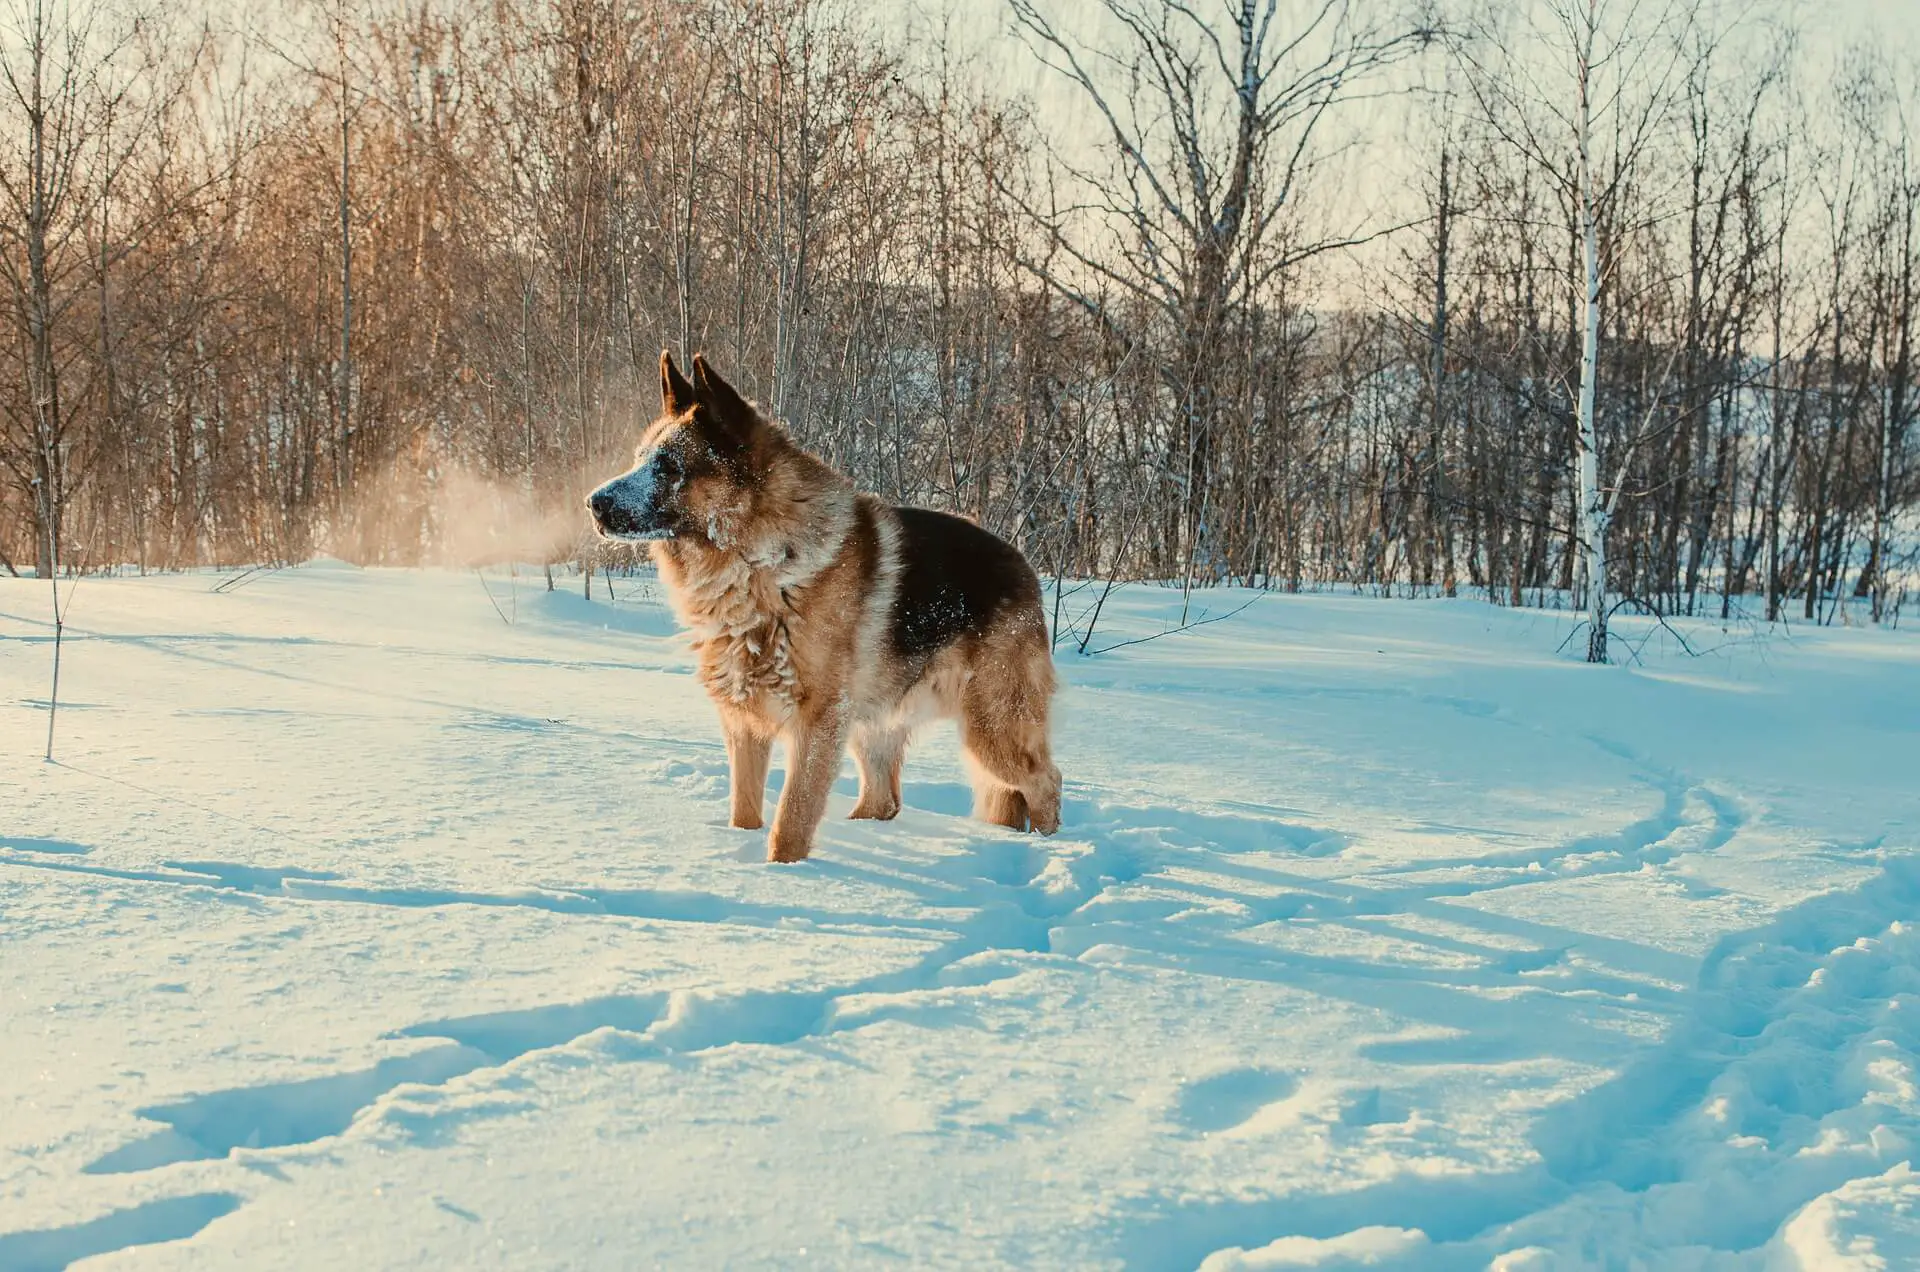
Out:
{"x": 359, "y": 927}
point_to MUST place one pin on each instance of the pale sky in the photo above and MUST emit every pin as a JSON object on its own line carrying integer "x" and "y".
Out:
{"x": 1378, "y": 172}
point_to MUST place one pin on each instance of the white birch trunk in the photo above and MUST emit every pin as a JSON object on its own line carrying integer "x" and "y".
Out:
{"x": 1882, "y": 544}
{"x": 1593, "y": 508}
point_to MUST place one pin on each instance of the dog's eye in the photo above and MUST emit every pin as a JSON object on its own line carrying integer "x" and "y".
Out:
{"x": 670, "y": 468}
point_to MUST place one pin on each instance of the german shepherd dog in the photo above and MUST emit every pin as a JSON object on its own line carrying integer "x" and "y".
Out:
{"x": 826, "y": 618}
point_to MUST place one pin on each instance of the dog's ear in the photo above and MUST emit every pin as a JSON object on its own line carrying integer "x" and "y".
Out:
{"x": 728, "y": 407}
{"x": 676, "y": 395}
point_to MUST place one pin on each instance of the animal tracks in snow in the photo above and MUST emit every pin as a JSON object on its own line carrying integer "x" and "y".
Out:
{"x": 277, "y": 1115}
{"x": 291, "y": 1115}
{"x": 62, "y": 847}
{"x": 1204, "y": 891}
{"x": 1232, "y": 1099}
{"x": 1789, "y": 1078}
{"x": 150, "y": 1223}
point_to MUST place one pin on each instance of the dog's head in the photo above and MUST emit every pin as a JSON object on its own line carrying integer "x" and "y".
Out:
{"x": 694, "y": 466}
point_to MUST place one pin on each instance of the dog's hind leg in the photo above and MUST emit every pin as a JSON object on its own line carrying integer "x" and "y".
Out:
{"x": 878, "y": 751}
{"x": 747, "y": 754}
{"x": 1003, "y": 725}
{"x": 1000, "y": 805}
{"x": 1014, "y": 780}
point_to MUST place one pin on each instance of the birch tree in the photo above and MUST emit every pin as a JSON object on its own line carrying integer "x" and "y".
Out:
{"x": 1581, "y": 90}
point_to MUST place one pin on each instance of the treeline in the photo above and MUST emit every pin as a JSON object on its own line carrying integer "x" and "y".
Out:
{"x": 387, "y": 280}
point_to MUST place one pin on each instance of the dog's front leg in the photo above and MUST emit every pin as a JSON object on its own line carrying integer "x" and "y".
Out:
{"x": 747, "y": 752}
{"x": 814, "y": 746}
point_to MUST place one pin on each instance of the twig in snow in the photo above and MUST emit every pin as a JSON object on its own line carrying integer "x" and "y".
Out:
{"x": 1634, "y": 650}
{"x": 1659, "y": 618}
{"x": 59, "y": 629}
{"x": 59, "y": 620}
{"x": 496, "y": 604}
{"x": 1202, "y": 621}
{"x": 252, "y": 574}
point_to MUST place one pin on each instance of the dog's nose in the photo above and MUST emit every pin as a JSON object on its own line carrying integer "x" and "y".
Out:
{"x": 611, "y": 515}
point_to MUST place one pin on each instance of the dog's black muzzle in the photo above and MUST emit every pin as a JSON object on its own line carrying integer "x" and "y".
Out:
{"x": 620, "y": 511}
{"x": 612, "y": 516}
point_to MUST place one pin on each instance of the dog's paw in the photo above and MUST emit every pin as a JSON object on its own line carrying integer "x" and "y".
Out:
{"x": 786, "y": 851}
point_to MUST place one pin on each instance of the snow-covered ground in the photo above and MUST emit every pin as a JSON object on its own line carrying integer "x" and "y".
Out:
{"x": 359, "y": 928}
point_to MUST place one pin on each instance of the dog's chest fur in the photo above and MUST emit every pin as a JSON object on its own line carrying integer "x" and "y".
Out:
{"x": 740, "y": 628}
{"x": 739, "y": 603}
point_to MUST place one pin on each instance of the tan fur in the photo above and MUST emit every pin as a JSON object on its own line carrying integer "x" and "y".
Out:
{"x": 787, "y": 597}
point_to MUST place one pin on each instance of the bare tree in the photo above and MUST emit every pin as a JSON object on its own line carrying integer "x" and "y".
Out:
{"x": 1648, "y": 336}
{"x": 1210, "y": 121}
{"x": 1586, "y": 123}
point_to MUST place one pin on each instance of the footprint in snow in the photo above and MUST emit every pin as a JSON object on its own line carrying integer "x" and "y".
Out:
{"x": 1226, "y": 1100}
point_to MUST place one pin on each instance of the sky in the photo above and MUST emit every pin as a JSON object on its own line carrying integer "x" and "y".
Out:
{"x": 1376, "y": 179}
{"x": 984, "y": 31}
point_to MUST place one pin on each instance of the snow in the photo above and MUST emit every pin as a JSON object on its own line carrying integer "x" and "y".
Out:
{"x": 358, "y": 927}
